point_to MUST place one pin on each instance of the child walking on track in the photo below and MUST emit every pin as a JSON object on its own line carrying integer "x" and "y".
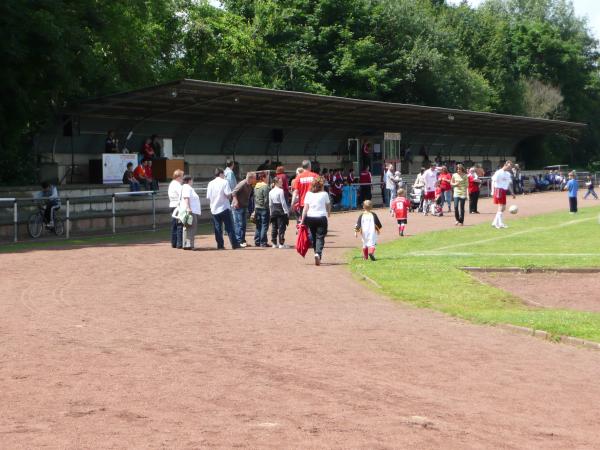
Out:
{"x": 368, "y": 225}
{"x": 399, "y": 207}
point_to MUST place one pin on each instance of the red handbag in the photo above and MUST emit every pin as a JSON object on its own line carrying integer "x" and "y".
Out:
{"x": 302, "y": 240}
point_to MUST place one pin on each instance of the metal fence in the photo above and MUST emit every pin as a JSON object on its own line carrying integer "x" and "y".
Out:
{"x": 21, "y": 209}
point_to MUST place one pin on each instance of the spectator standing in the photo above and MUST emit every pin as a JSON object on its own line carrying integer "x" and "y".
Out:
{"x": 430, "y": 180}
{"x": 285, "y": 182}
{"x": 501, "y": 184}
{"x": 351, "y": 179}
{"x": 148, "y": 150}
{"x": 175, "y": 191}
{"x": 218, "y": 193}
{"x": 315, "y": 212}
{"x": 239, "y": 204}
{"x": 111, "y": 144}
{"x": 230, "y": 174}
{"x": 337, "y": 184}
{"x": 460, "y": 183}
{"x": 474, "y": 186}
{"x": 572, "y": 188}
{"x": 518, "y": 180}
{"x": 156, "y": 143}
{"x": 446, "y": 187}
{"x": 279, "y": 213}
{"x": 389, "y": 184}
{"x": 589, "y": 184}
{"x": 261, "y": 210}
{"x": 191, "y": 202}
{"x": 365, "y": 179}
{"x": 129, "y": 178}
{"x": 300, "y": 187}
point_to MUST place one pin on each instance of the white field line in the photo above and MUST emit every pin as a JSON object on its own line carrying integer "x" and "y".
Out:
{"x": 426, "y": 254}
{"x": 509, "y": 235}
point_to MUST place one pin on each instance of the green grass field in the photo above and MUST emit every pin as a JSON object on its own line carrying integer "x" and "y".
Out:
{"x": 424, "y": 270}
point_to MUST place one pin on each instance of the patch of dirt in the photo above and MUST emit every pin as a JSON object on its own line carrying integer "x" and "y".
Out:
{"x": 258, "y": 348}
{"x": 577, "y": 291}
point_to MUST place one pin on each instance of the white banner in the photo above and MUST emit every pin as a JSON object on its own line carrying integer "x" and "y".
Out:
{"x": 392, "y": 136}
{"x": 114, "y": 166}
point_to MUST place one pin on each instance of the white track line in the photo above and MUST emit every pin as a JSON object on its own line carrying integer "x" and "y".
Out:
{"x": 509, "y": 235}
{"x": 426, "y": 254}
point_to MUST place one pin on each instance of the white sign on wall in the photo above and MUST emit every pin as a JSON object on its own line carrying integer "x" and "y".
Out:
{"x": 167, "y": 148}
{"x": 114, "y": 166}
{"x": 392, "y": 136}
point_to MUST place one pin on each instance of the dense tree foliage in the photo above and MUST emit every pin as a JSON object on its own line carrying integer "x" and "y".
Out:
{"x": 530, "y": 57}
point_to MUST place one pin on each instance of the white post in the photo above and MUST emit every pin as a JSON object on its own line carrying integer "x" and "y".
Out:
{"x": 68, "y": 218}
{"x": 114, "y": 219}
{"x": 153, "y": 211}
{"x": 16, "y": 220}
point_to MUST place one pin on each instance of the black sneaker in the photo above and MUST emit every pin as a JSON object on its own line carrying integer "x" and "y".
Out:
{"x": 372, "y": 256}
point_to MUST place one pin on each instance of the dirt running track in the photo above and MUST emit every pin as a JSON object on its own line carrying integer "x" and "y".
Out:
{"x": 142, "y": 346}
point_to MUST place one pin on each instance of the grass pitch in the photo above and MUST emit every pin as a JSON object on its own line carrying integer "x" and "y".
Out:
{"x": 425, "y": 270}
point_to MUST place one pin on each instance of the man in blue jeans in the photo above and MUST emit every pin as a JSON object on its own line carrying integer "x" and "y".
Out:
{"x": 218, "y": 193}
{"x": 239, "y": 204}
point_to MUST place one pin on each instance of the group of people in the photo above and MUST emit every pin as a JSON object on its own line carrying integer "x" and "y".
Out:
{"x": 258, "y": 198}
{"x": 438, "y": 187}
{"x": 150, "y": 149}
{"x": 140, "y": 178}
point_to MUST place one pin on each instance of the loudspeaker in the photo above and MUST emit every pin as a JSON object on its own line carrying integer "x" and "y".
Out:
{"x": 70, "y": 125}
{"x": 277, "y": 134}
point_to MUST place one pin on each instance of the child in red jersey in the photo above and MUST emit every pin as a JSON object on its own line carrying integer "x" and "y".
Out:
{"x": 399, "y": 207}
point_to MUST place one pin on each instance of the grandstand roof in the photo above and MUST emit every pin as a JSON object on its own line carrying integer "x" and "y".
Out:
{"x": 194, "y": 101}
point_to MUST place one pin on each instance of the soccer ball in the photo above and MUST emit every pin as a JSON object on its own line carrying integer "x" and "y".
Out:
{"x": 513, "y": 209}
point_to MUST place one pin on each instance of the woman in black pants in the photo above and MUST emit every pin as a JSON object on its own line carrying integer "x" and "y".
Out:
{"x": 317, "y": 208}
{"x": 460, "y": 183}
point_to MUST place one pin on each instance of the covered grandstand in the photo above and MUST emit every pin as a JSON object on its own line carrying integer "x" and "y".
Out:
{"x": 209, "y": 122}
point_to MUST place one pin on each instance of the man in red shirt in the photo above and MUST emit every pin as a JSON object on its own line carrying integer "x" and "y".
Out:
{"x": 444, "y": 179}
{"x": 300, "y": 187}
{"x": 365, "y": 179}
{"x": 399, "y": 207}
{"x": 141, "y": 175}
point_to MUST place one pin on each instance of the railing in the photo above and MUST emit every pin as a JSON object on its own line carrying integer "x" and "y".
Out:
{"x": 68, "y": 201}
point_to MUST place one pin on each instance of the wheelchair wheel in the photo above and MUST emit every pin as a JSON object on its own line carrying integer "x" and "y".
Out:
{"x": 35, "y": 225}
{"x": 59, "y": 226}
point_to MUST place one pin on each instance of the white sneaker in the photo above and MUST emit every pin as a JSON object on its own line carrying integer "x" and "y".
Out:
{"x": 317, "y": 260}
{"x": 243, "y": 245}
{"x": 274, "y": 246}
{"x": 284, "y": 246}
{"x": 502, "y": 225}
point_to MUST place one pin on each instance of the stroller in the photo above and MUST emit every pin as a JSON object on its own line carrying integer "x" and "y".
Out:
{"x": 415, "y": 197}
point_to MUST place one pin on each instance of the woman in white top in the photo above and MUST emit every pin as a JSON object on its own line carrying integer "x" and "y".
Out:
{"x": 174, "y": 199}
{"x": 279, "y": 212}
{"x": 317, "y": 208}
{"x": 191, "y": 202}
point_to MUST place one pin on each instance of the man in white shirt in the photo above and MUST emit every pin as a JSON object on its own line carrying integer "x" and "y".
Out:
{"x": 174, "y": 198}
{"x": 429, "y": 178}
{"x": 218, "y": 193}
{"x": 501, "y": 184}
{"x": 390, "y": 185}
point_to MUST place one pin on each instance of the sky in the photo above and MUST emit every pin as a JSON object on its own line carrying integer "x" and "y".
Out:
{"x": 587, "y": 8}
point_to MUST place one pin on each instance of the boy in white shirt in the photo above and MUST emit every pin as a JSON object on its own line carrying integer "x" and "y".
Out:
{"x": 369, "y": 226}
